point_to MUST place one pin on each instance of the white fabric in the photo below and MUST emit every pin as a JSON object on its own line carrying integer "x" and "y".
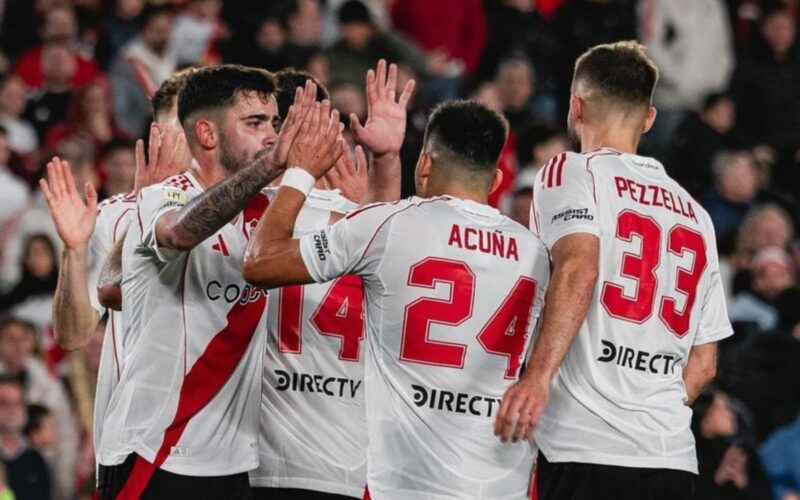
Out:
{"x": 194, "y": 341}
{"x": 618, "y": 398}
{"x": 114, "y": 215}
{"x": 425, "y": 444}
{"x": 312, "y": 407}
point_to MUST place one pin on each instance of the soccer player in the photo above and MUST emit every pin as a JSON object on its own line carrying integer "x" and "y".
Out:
{"x": 183, "y": 420}
{"x": 451, "y": 287}
{"x": 314, "y": 364}
{"x": 635, "y": 306}
{"x": 89, "y": 230}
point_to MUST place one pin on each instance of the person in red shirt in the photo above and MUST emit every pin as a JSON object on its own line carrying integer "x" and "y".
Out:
{"x": 60, "y": 26}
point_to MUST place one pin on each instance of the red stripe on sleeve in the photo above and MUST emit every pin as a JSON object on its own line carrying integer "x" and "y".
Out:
{"x": 560, "y": 169}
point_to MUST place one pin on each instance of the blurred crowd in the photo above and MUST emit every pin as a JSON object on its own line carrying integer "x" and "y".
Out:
{"x": 75, "y": 76}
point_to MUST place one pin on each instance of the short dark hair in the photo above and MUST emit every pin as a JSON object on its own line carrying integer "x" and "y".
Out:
{"x": 217, "y": 87}
{"x": 36, "y": 415}
{"x": 354, "y": 11}
{"x": 115, "y": 144}
{"x": 152, "y": 10}
{"x": 621, "y": 72}
{"x": 288, "y": 80}
{"x": 466, "y": 134}
{"x": 169, "y": 91}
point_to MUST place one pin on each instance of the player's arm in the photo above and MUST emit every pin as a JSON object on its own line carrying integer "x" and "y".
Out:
{"x": 168, "y": 152}
{"x": 74, "y": 317}
{"x": 566, "y": 217}
{"x": 383, "y": 132}
{"x": 109, "y": 284}
{"x": 185, "y": 228}
{"x": 273, "y": 256}
{"x": 569, "y": 294}
{"x": 700, "y": 370}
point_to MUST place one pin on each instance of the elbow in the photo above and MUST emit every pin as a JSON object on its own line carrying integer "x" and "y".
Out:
{"x": 256, "y": 273}
{"x": 110, "y": 296}
{"x": 69, "y": 342}
{"x": 710, "y": 373}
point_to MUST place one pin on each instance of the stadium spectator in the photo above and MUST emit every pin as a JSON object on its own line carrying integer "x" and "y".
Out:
{"x": 27, "y": 474}
{"x": 17, "y": 359}
{"x": 453, "y": 47}
{"x": 767, "y": 226}
{"x": 517, "y": 26}
{"x": 15, "y": 191}
{"x": 515, "y": 81}
{"x": 698, "y": 139}
{"x": 49, "y": 104}
{"x": 734, "y": 192}
{"x": 33, "y": 295}
{"x": 729, "y": 467}
{"x": 781, "y": 456}
{"x": 266, "y": 47}
{"x": 690, "y": 41}
{"x": 21, "y": 135}
{"x": 772, "y": 274}
{"x": 304, "y": 24}
{"x": 580, "y": 24}
{"x": 90, "y": 118}
{"x": 118, "y": 166}
{"x": 766, "y": 87}
{"x": 198, "y": 29}
{"x": 118, "y": 28}
{"x": 363, "y": 43}
{"x": 348, "y": 98}
{"x": 140, "y": 67}
{"x": 60, "y": 27}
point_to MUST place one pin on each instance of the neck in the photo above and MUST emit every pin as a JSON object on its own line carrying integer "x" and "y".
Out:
{"x": 456, "y": 191}
{"x": 614, "y": 135}
{"x": 208, "y": 172}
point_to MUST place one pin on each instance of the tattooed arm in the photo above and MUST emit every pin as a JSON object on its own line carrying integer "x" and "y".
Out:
{"x": 74, "y": 318}
{"x": 184, "y": 229}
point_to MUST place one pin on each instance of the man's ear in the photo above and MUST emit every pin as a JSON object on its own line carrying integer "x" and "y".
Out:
{"x": 649, "y": 120}
{"x": 206, "y": 133}
{"x": 498, "y": 179}
{"x": 576, "y": 108}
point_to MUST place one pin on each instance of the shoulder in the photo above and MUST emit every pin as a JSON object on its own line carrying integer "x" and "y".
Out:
{"x": 563, "y": 168}
{"x": 114, "y": 206}
{"x": 389, "y": 210}
{"x": 180, "y": 181}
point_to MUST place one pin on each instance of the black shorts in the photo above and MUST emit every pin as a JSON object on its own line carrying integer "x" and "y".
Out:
{"x": 579, "y": 481}
{"x": 294, "y": 494}
{"x": 136, "y": 478}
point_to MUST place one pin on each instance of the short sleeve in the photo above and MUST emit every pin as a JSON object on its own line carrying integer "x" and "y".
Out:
{"x": 349, "y": 246}
{"x": 714, "y": 321}
{"x": 154, "y": 202}
{"x": 564, "y": 199}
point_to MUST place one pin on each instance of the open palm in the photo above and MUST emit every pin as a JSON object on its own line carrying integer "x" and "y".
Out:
{"x": 385, "y": 127}
{"x": 74, "y": 219}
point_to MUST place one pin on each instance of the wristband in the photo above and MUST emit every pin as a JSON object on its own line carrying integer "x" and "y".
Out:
{"x": 297, "y": 178}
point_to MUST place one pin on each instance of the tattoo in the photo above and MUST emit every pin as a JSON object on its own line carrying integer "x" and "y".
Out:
{"x": 206, "y": 214}
{"x": 66, "y": 296}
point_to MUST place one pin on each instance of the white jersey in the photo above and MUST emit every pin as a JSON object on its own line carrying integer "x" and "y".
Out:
{"x": 312, "y": 408}
{"x": 113, "y": 217}
{"x": 452, "y": 290}
{"x": 188, "y": 397}
{"x": 619, "y": 397}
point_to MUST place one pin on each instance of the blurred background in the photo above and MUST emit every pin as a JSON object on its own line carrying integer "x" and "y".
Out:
{"x": 74, "y": 80}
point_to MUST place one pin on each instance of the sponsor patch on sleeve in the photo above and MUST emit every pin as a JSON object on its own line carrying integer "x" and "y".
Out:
{"x": 176, "y": 195}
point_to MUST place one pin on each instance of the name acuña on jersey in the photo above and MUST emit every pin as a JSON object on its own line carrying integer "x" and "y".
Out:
{"x": 315, "y": 383}
{"x": 454, "y": 402}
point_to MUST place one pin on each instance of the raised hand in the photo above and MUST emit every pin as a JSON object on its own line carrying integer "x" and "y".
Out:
{"x": 385, "y": 127}
{"x": 349, "y": 176}
{"x": 74, "y": 219}
{"x": 169, "y": 155}
{"x": 316, "y": 146}
{"x": 303, "y": 104}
